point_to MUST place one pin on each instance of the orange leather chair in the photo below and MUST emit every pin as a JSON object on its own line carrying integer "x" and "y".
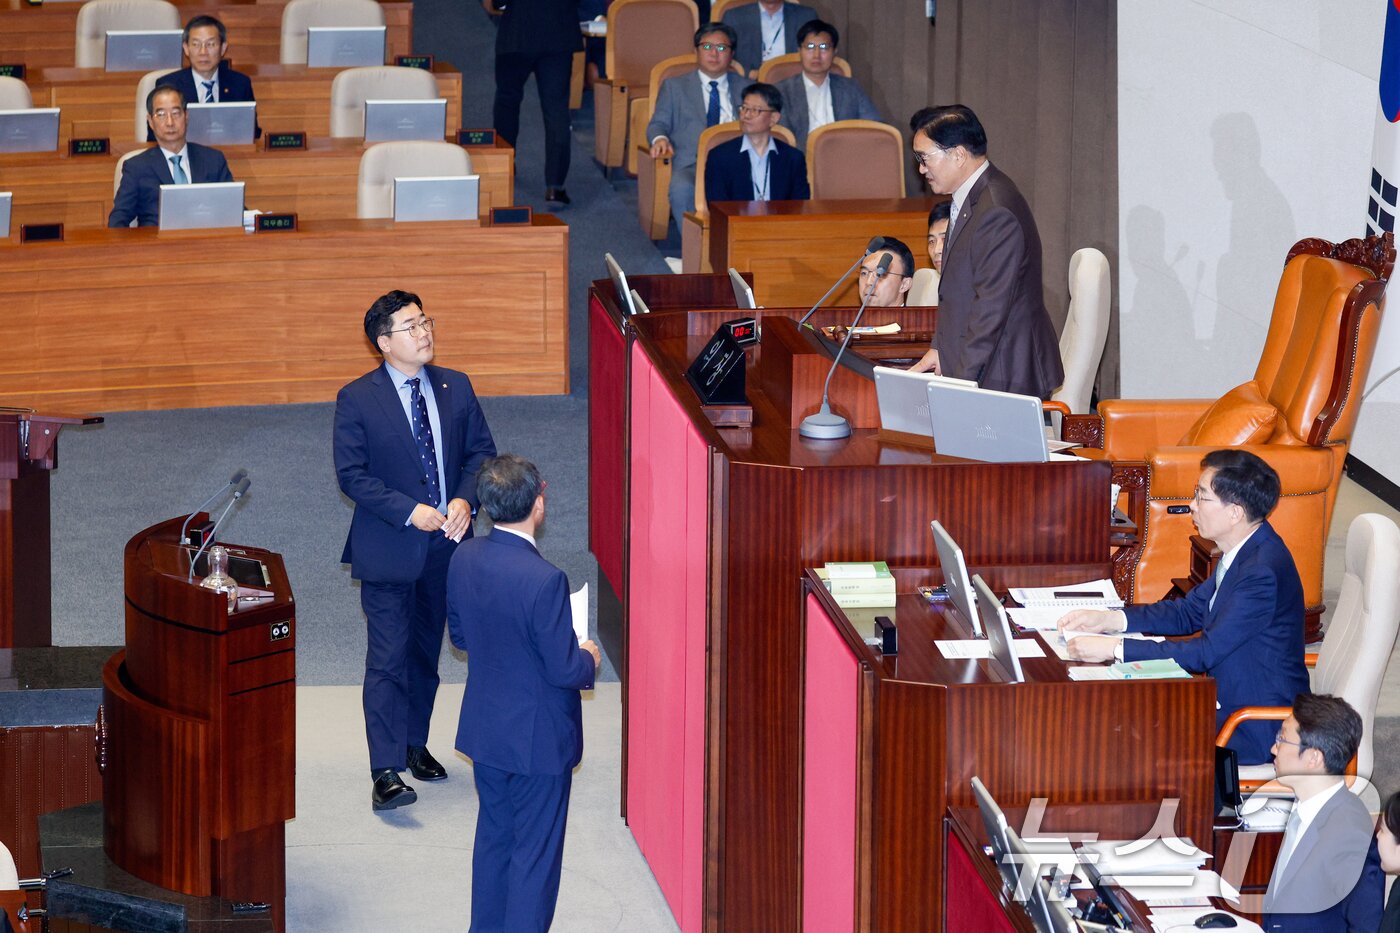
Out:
{"x": 856, "y": 159}
{"x": 695, "y": 232}
{"x": 1297, "y": 413}
{"x": 640, "y": 34}
{"x": 785, "y": 66}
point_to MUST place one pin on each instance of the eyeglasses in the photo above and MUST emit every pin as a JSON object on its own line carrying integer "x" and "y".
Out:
{"x": 867, "y": 273}
{"x": 714, "y": 47}
{"x": 824, "y": 46}
{"x": 208, "y": 45}
{"x": 922, "y": 157}
{"x": 748, "y": 111}
{"x": 1280, "y": 740}
{"x": 1199, "y": 496}
{"x": 417, "y": 328}
{"x": 168, "y": 114}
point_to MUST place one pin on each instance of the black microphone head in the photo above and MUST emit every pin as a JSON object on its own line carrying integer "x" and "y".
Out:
{"x": 875, "y": 243}
{"x": 242, "y": 487}
{"x": 237, "y": 477}
{"x": 884, "y": 264}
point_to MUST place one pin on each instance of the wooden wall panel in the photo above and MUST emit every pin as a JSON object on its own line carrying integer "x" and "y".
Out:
{"x": 44, "y": 768}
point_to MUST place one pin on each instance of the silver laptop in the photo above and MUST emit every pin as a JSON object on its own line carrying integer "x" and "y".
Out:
{"x": 33, "y": 130}
{"x": 222, "y": 124}
{"x": 743, "y": 295}
{"x": 619, "y": 280}
{"x": 998, "y": 630}
{"x": 639, "y": 304}
{"x": 344, "y": 46}
{"x": 405, "y": 119}
{"x": 981, "y": 424}
{"x": 454, "y": 197}
{"x": 955, "y": 579}
{"x": 6, "y": 202}
{"x": 142, "y": 49}
{"x": 199, "y": 207}
{"x": 903, "y": 399}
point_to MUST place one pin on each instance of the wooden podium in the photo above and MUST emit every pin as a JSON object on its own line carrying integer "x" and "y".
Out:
{"x": 196, "y": 737}
{"x": 28, "y": 451}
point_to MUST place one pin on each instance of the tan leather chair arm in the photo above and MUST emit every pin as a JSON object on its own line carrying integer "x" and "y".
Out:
{"x": 1301, "y": 470}
{"x": 1132, "y": 427}
{"x": 1060, "y": 407}
{"x": 1250, "y": 714}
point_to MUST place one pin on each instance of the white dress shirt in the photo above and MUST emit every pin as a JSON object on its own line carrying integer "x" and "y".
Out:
{"x": 1306, "y": 811}
{"x": 771, "y": 34}
{"x": 199, "y": 81}
{"x": 425, "y": 386}
{"x": 184, "y": 155}
{"x": 726, "y": 106}
{"x": 1226, "y": 560}
{"x": 819, "y": 111}
{"x": 760, "y": 168}
{"x": 960, "y": 197}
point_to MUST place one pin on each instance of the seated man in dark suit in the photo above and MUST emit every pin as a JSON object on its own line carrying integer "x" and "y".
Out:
{"x": 209, "y": 79}
{"x": 816, "y": 97}
{"x": 766, "y": 30}
{"x": 1327, "y": 877}
{"x": 757, "y": 166}
{"x": 1248, "y": 617}
{"x": 890, "y": 290}
{"x": 172, "y": 162}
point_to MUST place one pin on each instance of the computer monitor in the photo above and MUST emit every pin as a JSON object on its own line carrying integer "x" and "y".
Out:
{"x": 6, "y": 202}
{"x": 994, "y": 822}
{"x": 142, "y": 49}
{"x": 387, "y": 120}
{"x": 639, "y": 304}
{"x": 1019, "y": 869}
{"x": 903, "y": 400}
{"x": 31, "y": 130}
{"x": 1227, "y": 779}
{"x": 229, "y": 123}
{"x": 200, "y": 207}
{"x": 1047, "y": 910}
{"x": 982, "y": 424}
{"x": 344, "y": 46}
{"x": 955, "y": 579}
{"x": 743, "y": 295}
{"x": 445, "y": 197}
{"x": 619, "y": 280}
{"x": 998, "y": 630}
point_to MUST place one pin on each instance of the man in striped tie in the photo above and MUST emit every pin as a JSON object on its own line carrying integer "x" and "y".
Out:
{"x": 209, "y": 79}
{"x": 173, "y": 161}
{"x": 409, "y": 438}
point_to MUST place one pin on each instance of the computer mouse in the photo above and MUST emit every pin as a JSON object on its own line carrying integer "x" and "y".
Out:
{"x": 1216, "y": 921}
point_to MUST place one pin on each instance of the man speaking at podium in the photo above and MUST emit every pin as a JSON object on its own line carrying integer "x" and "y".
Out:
{"x": 409, "y": 438}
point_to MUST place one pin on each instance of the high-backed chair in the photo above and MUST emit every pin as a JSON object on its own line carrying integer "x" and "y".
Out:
{"x": 353, "y": 86}
{"x": 856, "y": 159}
{"x": 785, "y": 66}
{"x": 923, "y": 293}
{"x": 641, "y": 109}
{"x": 1297, "y": 413}
{"x": 143, "y": 89}
{"x": 640, "y": 34}
{"x": 719, "y": 7}
{"x": 96, "y": 17}
{"x": 695, "y": 232}
{"x": 383, "y": 162}
{"x": 14, "y": 94}
{"x": 117, "y": 174}
{"x": 299, "y": 14}
{"x": 9, "y": 876}
{"x": 1086, "y": 327}
{"x": 1360, "y": 637}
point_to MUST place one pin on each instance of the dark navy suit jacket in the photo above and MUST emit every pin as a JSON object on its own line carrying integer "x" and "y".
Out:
{"x": 1251, "y": 643}
{"x": 727, "y": 175}
{"x": 234, "y": 87}
{"x": 138, "y": 195}
{"x": 508, "y": 609}
{"x": 1333, "y": 881}
{"x": 377, "y": 464}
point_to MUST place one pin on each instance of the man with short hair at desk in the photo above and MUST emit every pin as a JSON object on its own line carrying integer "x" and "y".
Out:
{"x": 173, "y": 161}
{"x": 815, "y": 96}
{"x": 1327, "y": 878}
{"x": 1248, "y": 618}
{"x": 892, "y": 288}
{"x": 757, "y": 166}
{"x": 209, "y": 79}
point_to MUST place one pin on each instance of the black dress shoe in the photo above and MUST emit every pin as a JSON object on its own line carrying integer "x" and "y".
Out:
{"x": 424, "y": 766}
{"x": 557, "y": 195}
{"x": 390, "y": 791}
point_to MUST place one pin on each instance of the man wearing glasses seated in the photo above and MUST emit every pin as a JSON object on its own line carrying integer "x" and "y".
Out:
{"x": 687, "y": 104}
{"x": 817, "y": 97}
{"x": 173, "y": 161}
{"x": 209, "y": 79}
{"x": 766, "y": 29}
{"x": 756, "y": 166}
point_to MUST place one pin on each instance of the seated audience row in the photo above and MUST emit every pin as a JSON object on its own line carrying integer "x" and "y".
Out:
{"x": 172, "y": 161}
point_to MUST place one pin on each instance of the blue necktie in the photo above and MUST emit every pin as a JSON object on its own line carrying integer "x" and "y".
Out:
{"x": 208, "y": 91}
{"x": 712, "y": 114}
{"x": 177, "y": 173}
{"x": 427, "y": 451}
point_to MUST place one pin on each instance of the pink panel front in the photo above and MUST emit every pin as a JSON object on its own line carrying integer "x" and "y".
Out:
{"x": 667, "y": 578}
{"x": 831, "y": 706}
{"x": 607, "y": 383}
{"x": 969, "y": 905}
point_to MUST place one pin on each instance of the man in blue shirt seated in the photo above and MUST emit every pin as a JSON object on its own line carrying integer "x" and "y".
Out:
{"x": 757, "y": 166}
{"x": 1248, "y": 618}
{"x": 209, "y": 79}
{"x": 173, "y": 161}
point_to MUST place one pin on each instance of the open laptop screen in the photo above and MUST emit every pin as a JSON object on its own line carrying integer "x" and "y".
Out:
{"x": 981, "y": 424}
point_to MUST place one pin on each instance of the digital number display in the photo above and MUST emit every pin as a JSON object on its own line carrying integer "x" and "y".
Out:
{"x": 744, "y": 331}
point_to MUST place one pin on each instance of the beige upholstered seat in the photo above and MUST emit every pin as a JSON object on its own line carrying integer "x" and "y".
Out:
{"x": 143, "y": 89}
{"x": 383, "y": 162}
{"x": 96, "y": 17}
{"x": 924, "y": 292}
{"x": 856, "y": 159}
{"x": 14, "y": 95}
{"x": 353, "y": 86}
{"x": 300, "y": 14}
{"x": 785, "y": 66}
{"x": 1086, "y": 328}
{"x": 117, "y": 174}
{"x": 9, "y": 876}
{"x": 640, "y": 34}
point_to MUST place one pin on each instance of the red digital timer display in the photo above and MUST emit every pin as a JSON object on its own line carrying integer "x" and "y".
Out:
{"x": 744, "y": 331}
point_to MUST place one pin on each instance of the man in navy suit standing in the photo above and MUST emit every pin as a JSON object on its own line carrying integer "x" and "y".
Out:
{"x": 409, "y": 438}
{"x": 757, "y": 166}
{"x": 209, "y": 79}
{"x": 521, "y": 724}
{"x": 173, "y": 161}
{"x": 1248, "y": 618}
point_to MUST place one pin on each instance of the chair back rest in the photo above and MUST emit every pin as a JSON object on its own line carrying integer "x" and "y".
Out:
{"x": 143, "y": 88}
{"x": 856, "y": 159}
{"x": 117, "y": 173}
{"x": 1086, "y": 328}
{"x": 1321, "y": 338}
{"x": 643, "y": 32}
{"x": 97, "y": 16}
{"x": 353, "y": 86}
{"x": 14, "y": 94}
{"x": 714, "y": 136}
{"x": 785, "y": 66}
{"x": 720, "y": 7}
{"x": 299, "y": 14}
{"x": 9, "y": 876}
{"x": 923, "y": 293}
{"x": 383, "y": 162}
{"x": 1361, "y": 633}
{"x": 667, "y": 68}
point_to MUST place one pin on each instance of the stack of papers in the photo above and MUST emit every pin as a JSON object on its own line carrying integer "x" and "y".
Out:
{"x": 859, "y": 585}
{"x": 960, "y": 649}
{"x": 1133, "y": 857}
{"x": 1096, "y": 594}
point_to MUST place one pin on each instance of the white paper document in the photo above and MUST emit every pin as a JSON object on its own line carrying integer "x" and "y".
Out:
{"x": 1173, "y": 889}
{"x": 1154, "y": 856}
{"x": 1060, "y": 642}
{"x": 578, "y": 606}
{"x": 960, "y": 649}
{"x": 1088, "y": 671}
{"x": 1096, "y": 594}
{"x": 1040, "y": 619}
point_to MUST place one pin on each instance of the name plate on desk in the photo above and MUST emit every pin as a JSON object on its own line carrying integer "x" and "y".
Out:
{"x": 414, "y": 61}
{"x": 286, "y": 141}
{"x": 476, "y": 137}
{"x": 40, "y": 233}
{"x": 506, "y": 216}
{"x": 270, "y": 223}
{"x": 14, "y": 70}
{"x": 97, "y": 145}
{"x": 717, "y": 374}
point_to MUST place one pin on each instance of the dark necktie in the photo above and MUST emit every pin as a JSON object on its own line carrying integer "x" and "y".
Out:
{"x": 712, "y": 114}
{"x": 427, "y": 451}
{"x": 208, "y": 91}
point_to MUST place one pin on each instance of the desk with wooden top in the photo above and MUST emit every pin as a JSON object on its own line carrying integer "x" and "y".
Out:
{"x": 291, "y": 98}
{"x": 318, "y": 183}
{"x": 42, "y": 36}
{"x": 112, "y": 320}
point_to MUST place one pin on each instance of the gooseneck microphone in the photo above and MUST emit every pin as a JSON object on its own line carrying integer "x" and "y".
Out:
{"x": 234, "y": 480}
{"x": 877, "y": 243}
{"x": 826, "y": 424}
{"x": 238, "y": 492}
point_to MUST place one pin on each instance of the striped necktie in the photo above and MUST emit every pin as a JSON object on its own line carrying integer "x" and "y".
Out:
{"x": 208, "y": 91}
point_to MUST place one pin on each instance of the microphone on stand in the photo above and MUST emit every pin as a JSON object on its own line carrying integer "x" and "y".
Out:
{"x": 877, "y": 243}
{"x": 238, "y": 492}
{"x": 826, "y": 424}
{"x": 233, "y": 481}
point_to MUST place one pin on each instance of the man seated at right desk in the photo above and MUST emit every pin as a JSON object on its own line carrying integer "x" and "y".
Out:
{"x": 757, "y": 166}
{"x": 209, "y": 79}
{"x": 173, "y": 161}
{"x": 815, "y": 96}
{"x": 1248, "y": 617}
{"x": 892, "y": 288}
